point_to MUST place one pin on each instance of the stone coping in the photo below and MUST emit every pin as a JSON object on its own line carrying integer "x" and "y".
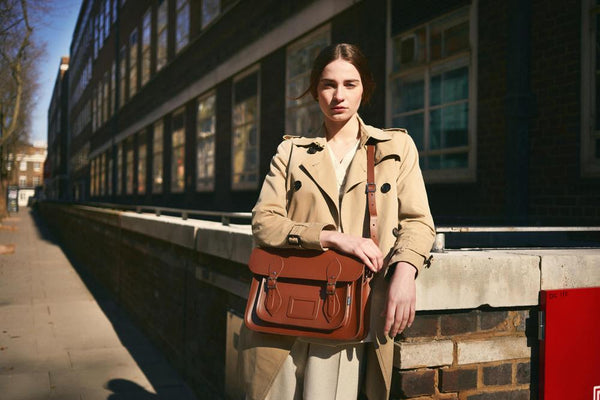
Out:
{"x": 457, "y": 279}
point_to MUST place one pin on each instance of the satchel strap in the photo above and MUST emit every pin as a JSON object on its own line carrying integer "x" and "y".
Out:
{"x": 370, "y": 190}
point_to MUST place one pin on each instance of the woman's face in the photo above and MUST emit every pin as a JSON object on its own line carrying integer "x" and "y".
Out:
{"x": 339, "y": 91}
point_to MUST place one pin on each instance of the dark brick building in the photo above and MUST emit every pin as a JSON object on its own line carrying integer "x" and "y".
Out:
{"x": 182, "y": 102}
{"x": 56, "y": 184}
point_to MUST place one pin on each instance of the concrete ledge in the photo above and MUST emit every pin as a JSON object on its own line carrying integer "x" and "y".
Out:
{"x": 423, "y": 354}
{"x": 567, "y": 269}
{"x": 469, "y": 279}
{"x": 170, "y": 229}
{"x": 233, "y": 242}
{"x": 493, "y": 349}
{"x": 108, "y": 217}
{"x": 456, "y": 280}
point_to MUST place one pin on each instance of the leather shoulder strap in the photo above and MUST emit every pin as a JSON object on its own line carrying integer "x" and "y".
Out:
{"x": 370, "y": 191}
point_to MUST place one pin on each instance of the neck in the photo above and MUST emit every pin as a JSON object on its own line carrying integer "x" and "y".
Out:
{"x": 344, "y": 131}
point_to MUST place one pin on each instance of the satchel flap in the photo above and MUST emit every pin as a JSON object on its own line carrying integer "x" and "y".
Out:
{"x": 304, "y": 264}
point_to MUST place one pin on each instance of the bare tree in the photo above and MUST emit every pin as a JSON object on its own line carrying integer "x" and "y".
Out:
{"x": 18, "y": 57}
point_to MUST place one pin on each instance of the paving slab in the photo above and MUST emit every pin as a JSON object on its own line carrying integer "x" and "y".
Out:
{"x": 61, "y": 337}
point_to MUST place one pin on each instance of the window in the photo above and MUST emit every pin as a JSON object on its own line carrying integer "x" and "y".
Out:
{"x": 112, "y": 87}
{"x": 23, "y": 166}
{"x": 245, "y": 131}
{"x": 109, "y": 177}
{"x": 161, "y": 35}
{"x": 210, "y": 10}
{"x": 133, "y": 58}
{"x": 141, "y": 168}
{"x": 22, "y": 181}
{"x": 93, "y": 177}
{"x": 303, "y": 116}
{"x": 205, "y": 140}
{"x": 106, "y": 18}
{"x": 129, "y": 167}
{"x": 433, "y": 94}
{"x": 157, "y": 158}
{"x": 36, "y": 181}
{"x": 102, "y": 174}
{"x": 178, "y": 151}
{"x": 590, "y": 89}
{"x": 105, "y": 105}
{"x": 182, "y": 30}
{"x": 146, "y": 54}
{"x": 119, "y": 169}
{"x": 37, "y": 166}
{"x": 99, "y": 105}
{"x": 122, "y": 75}
{"x": 114, "y": 10}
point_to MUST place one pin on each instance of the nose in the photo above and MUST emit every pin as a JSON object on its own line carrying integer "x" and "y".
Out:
{"x": 339, "y": 94}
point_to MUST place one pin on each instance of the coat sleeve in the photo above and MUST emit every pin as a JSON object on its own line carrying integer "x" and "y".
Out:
{"x": 271, "y": 226}
{"x": 416, "y": 230}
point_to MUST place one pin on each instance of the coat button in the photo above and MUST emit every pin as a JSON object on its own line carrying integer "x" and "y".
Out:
{"x": 385, "y": 188}
{"x": 297, "y": 185}
{"x": 395, "y": 232}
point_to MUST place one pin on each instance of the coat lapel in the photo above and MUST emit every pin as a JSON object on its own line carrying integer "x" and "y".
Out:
{"x": 318, "y": 166}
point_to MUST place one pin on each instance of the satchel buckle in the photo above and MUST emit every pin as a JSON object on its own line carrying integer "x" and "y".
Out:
{"x": 272, "y": 280}
{"x": 330, "y": 290}
{"x": 370, "y": 187}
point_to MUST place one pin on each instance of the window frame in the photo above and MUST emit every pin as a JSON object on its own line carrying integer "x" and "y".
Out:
{"x": 293, "y": 47}
{"x": 132, "y": 55}
{"x": 161, "y": 62}
{"x": 589, "y": 164}
{"x": 175, "y": 187}
{"x": 146, "y": 68}
{"x": 255, "y": 69}
{"x": 184, "y": 40}
{"x": 206, "y": 183}
{"x": 448, "y": 175}
{"x": 158, "y": 187}
{"x": 142, "y": 169}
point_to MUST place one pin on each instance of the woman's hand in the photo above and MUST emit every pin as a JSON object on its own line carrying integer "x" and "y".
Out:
{"x": 364, "y": 249}
{"x": 401, "y": 299}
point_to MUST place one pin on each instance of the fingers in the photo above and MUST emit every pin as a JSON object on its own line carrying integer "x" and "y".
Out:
{"x": 398, "y": 317}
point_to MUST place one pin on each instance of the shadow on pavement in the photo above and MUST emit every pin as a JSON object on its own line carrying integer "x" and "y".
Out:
{"x": 124, "y": 389}
{"x": 159, "y": 372}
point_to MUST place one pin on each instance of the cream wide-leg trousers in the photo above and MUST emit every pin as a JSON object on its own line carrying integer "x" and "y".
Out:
{"x": 319, "y": 372}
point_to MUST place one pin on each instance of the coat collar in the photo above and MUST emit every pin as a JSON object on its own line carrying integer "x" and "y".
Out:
{"x": 318, "y": 163}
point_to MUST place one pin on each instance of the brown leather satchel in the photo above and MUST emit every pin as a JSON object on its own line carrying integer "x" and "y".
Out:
{"x": 312, "y": 293}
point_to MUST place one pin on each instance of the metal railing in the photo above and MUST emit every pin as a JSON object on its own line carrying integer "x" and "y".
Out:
{"x": 225, "y": 217}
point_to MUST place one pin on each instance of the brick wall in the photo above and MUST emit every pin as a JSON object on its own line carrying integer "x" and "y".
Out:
{"x": 482, "y": 354}
{"x": 558, "y": 193}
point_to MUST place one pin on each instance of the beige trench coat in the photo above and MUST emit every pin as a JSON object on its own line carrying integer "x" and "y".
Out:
{"x": 299, "y": 198}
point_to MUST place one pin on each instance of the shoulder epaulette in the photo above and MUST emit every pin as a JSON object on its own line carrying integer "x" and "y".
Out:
{"x": 395, "y": 130}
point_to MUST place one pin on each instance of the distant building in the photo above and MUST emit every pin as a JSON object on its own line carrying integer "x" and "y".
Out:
{"x": 26, "y": 170}
{"x": 182, "y": 103}
{"x": 56, "y": 179}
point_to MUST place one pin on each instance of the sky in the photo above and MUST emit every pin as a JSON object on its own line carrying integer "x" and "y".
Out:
{"x": 55, "y": 29}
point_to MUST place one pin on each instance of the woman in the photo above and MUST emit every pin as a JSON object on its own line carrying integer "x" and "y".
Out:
{"x": 314, "y": 198}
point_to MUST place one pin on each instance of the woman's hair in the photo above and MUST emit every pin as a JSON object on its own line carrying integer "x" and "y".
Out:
{"x": 347, "y": 52}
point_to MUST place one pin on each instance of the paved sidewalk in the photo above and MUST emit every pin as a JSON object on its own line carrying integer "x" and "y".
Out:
{"x": 58, "y": 341}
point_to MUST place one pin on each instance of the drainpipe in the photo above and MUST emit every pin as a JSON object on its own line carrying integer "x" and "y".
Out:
{"x": 519, "y": 105}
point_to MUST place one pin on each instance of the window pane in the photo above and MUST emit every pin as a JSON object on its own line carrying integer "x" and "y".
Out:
{"x": 455, "y": 85}
{"x": 142, "y": 166}
{"x": 183, "y": 24}
{"x": 210, "y": 10}
{"x": 205, "y": 127}
{"x": 414, "y": 124}
{"x": 456, "y": 39}
{"x": 408, "y": 95}
{"x": 435, "y": 90}
{"x": 458, "y": 160}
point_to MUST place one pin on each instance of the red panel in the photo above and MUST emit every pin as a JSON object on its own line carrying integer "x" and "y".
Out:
{"x": 570, "y": 348}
